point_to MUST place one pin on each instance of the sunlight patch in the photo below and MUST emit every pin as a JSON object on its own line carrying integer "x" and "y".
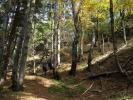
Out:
{"x": 95, "y": 60}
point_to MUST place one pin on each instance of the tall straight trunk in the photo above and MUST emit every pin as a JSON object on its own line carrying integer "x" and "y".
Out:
{"x": 124, "y": 32}
{"x": 13, "y": 46}
{"x": 108, "y": 43}
{"x": 24, "y": 55}
{"x": 103, "y": 46}
{"x": 59, "y": 33}
{"x": 3, "y": 39}
{"x": 81, "y": 46}
{"x": 28, "y": 33}
{"x": 74, "y": 58}
{"x": 33, "y": 50}
{"x": 59, "y": 46}
{"x": 55, "y": 48}
{"x": 1, "y": 54}
{"x": 3, "y": 31}
{"x": 98, "y": 35}
{"x": 52, "y": 30}
{"x": 82, "y": 43}
{"x": 91, "y": 50}
{"x": 22, "y": 49}
{"x": 114, "y": 37}
{"x": 75, "y": 42}
{"x": 6, "y": 26}
{"x": 79, "y": 51}
{"x": 52, "y": 43}
{"x": 10, "y": 41}
{"x": 56, "y": 37}
{"x": 122, "y": 13}
{"x": 1, "y": 49}
{"x": 15, "y": 69}
{"x": 54, "y": 55}
{"x": 76, "y": 38}
{"x": 34, "y": 62}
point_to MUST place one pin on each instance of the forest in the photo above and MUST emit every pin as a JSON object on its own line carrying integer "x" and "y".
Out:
{"x": 66, "y": 49}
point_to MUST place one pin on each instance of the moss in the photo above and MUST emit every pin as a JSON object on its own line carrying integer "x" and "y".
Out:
{"x": 63, "y": 90}
{"x": 72, "y": 80}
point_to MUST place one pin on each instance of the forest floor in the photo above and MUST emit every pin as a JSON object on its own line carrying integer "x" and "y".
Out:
{"x": 113, "y": 87}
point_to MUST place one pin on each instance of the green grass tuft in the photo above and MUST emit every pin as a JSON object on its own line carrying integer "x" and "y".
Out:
{"x": 71, "y": 81}
{"x": 64, "y": 90}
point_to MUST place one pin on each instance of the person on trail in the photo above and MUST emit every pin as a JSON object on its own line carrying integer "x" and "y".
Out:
{"x": 47, "y": 65}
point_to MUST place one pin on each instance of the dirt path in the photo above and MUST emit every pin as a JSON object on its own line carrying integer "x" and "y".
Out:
{"x": 35, "y": 88}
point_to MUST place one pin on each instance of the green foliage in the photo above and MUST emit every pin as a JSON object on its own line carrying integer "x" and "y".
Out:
{"x": 41, "y": 32}
{"x": 63, "y": 88}
{"x": 72, "y": 80}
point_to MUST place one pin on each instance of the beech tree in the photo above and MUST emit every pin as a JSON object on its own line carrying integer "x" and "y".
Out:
{"x": 18, "y": 71}
{"x": 114, "y": 37}
{"x": 9, "y": 42}
{"x": 75, "y": 11}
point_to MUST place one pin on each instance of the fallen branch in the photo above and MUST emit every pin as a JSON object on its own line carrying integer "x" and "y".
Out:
{"x": 126, "y": 73}
{"x": 104, "y": 57}
{"x": 103, "y": 74}
{"x": 79, "y": 83}
{"x": 88, "y": 88}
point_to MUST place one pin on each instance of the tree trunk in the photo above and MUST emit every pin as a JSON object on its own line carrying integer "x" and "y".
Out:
{"x": 124, "y": 32}
{"x": 103, "y": 44}
{"x": 33, "y": 50}
{"x": 98, "y": 35}
{"x": 1, "y": 51}
{"x": 34, "y": 61}
{"x": 15, "y": 69}
{"x": 108, "y": 43}
{"x": 55, "y": 54}
{"x": 122, "y": 13}
{"x": 91, "y": 51}
{"x": 82, "y": 43}
{"x": 114, "y": 37}
{"x": 22, "y": 49}
{"x": 59, "y": 46}
{"x": 10, "y": 41}
{"x": 56, "y": 37}
{"x": 74, "y": 58}
{"x": 76, "y": 38}
{"x": 24, "y": 55}
{"x": 81, "y": 47}
{"x": 52, "y": 37}
{"x": 13, "y": 46}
